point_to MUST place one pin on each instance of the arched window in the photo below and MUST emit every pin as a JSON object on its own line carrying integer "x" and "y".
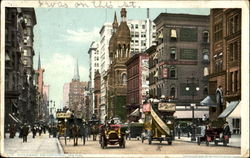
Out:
{"x": 172, "y": 92}
{"x": 206, "y": 72}
{"x": 205, "y": 36}
{"x": 124, "y": 79}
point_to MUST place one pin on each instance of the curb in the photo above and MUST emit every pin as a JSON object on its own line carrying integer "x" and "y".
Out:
{"x": 59, "y": 147}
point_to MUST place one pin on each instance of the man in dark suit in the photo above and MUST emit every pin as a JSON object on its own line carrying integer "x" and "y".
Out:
{"x": 25, "y": 130}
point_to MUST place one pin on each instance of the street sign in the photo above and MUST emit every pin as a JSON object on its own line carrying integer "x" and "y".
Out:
{"x": 167, "y": 107}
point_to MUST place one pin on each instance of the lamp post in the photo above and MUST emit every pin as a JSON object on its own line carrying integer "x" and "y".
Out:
{"x": 193, "y": 105}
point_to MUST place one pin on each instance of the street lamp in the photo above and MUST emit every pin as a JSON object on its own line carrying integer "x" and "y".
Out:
{"x": 193, "y": 105}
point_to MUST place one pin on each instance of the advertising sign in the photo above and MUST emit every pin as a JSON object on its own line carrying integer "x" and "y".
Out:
{"x": 63, "y": 115}
{"x": 167, "y": 107}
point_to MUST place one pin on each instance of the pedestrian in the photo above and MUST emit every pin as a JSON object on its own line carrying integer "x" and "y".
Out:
{"x": 33, "y": 131}
{"x": 226, "y": 130}
{"x": 178, "y": 129}
{"x": 40, "y": 130}
{"x": 11, "y": 129}
{"x": 20, "y": 131}
{"x": 44, "y": 129}
{"x": 25, "y": 130}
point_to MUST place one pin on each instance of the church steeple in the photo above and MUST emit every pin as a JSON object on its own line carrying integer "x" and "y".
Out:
{"x": 115, "y": 23}
{"x": 39, "y": 62}
{"x": 76, "y": 72}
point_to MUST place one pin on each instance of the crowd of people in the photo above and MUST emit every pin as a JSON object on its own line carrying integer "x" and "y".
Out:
{"x": 24, "y": 129}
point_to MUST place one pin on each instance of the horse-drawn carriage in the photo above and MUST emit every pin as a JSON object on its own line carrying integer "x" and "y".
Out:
{"x": 214, "y": 135}
{"x": 94, "y": 126}
{"x": 71, "y": 126}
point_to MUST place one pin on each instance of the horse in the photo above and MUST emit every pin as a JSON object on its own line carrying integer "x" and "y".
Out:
{"x": 94, "y": 131}
{"x": 75, "y": 133}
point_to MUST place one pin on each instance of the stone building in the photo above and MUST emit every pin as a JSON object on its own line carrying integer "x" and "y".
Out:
{"x": 225, "y": 67}
{"x": 119, "y": 53}
{"x": 97, "y": 94}
{"x": 182, "y": 57}
{"x": 137, "y": 85}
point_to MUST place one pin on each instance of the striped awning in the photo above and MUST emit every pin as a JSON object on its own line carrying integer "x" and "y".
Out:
{"x": 229, "y": 109}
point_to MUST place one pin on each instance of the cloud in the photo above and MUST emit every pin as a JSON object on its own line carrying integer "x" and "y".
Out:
{"x": 82, "y": 36}
{"x": 60, "y": 70}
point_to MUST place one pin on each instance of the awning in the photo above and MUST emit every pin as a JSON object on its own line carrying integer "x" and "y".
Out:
{"x": 173, "y": 33}
{"x": 135, "y": 113}
{"x": 209, "y": 101}
{"x": 236, "y": 112}
{"x": 13, "y": 118}
{"x": 231, "y": 106}
{"x": 160, "y": 35}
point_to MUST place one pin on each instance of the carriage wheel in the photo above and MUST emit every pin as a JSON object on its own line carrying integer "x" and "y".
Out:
{"x": 103, "y": 143}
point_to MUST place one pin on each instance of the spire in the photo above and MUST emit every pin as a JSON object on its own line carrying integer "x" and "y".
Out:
{"x": 76, "y": 72}
{"x": 39, "y": 62}
{"x": 115, "y": 23}
{"x": 123, "y": 14}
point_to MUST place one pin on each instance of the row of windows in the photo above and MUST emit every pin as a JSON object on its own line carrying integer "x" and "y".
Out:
{"x": 234, "y": 82}
{"x": 233, "y": 24}
{"x": 133, "y": 84}
{"x": 234, "y": 49}
{"x": 133, "y": 71}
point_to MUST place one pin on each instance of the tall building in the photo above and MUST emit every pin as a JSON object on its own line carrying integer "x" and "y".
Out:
{"x": 119, "y": 53}
{"x": 137, "y": 85}
{"x": 66, "y": 94}
{"x": 225, "y": 66}
{"x": 94, "y": 65}
{"x": 46, "y": 102}
{"x": 20, "y": 93}
{"x": 76, "y": 91}
{"x": 182, "y": 62}
{"x": 105, "y": 35}
{"x": 97, "y": 94}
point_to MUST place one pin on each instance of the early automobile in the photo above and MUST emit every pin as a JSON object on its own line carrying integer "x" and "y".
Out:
{"x": 112, "y": 134}
{"x": 214, "y": 135}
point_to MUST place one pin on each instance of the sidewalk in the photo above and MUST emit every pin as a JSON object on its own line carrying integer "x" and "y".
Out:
{"x": 234, "y": 141}
{"x": 39, "y": 146}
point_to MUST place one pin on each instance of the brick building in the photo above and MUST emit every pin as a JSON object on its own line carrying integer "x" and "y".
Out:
{"x": 225, "y": 67}
{"x": 137, "y": 84}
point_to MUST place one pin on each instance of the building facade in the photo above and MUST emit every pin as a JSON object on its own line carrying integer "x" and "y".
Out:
{"x": 97, "y": 94}
{"x": 137, "y": 85}
{"x": 225, "y": 67}
{"x": 181, "y": 61}
{"x": 20, "y": 92}
{"x": 94, "y": 65}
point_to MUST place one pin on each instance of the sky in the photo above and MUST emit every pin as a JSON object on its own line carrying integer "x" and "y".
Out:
{"x": 63, "y": 34}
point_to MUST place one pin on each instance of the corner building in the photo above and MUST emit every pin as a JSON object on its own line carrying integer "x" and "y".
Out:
{"x": 181, "y": 60}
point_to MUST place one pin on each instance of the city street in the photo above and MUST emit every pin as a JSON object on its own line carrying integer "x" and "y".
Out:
{"x": 40, "y": 145}
{"x": 134, "y": 146}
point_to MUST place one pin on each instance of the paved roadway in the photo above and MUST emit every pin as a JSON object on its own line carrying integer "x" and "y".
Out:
{"x": 39, "y": 146}
{"x": 136, "y": 147}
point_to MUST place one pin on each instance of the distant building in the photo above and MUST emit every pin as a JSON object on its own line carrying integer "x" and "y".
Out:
{"x": 76, "y": 91}
{"x": 225, "y": 66}
{"x": 137, "y": 85}
{"x": 46, "y": 101}
{"x": 181, "y": 62}
{"x": 66, "y": 94}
